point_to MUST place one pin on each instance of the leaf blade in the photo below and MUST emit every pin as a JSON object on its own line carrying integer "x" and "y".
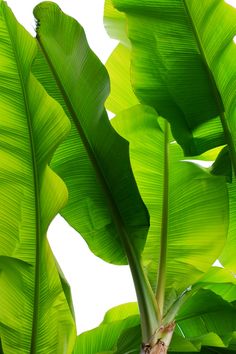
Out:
{"x": 182, "y": 48}
{"x": 31, "y": 195}
{"x": 187, "y": 258}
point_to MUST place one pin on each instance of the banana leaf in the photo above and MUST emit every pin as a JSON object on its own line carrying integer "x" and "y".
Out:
{"x": 104, "y": 338}
{"x": 227, "y": 257}
{"x": 35, "y": 316}
{"x": 184, "y": 68}
{"x": 205, "y": 322}
{"x": 221, "y": 281}
{"x": 94, "y": 160}
{"x": 104, "y": 204}
{"x": 194, "y": 224}
{"x": 121, "y": 96}
{"x": 115, "y": 23}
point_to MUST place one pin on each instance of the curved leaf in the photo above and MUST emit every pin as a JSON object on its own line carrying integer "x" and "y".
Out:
{"x": 204, "y": 320}
{"x": 34, "y": 314}
{"x": 183, "y": 69}
{"x": 221, "y": 281}
{"x": 115, "y": 23}
{"x": 195, "y": 222}
{"x": 101, "y": 193}
{"x": 207, "y": 320}
{"x": 104, "y": 338}
{"x": 118, "y": 66}
{"x": 104, "y": 203}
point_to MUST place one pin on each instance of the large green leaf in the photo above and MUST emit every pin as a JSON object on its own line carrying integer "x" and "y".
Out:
{"x": 104, "y": 202}
{"x": 204, "y": 320}
{"x": 187, "y": 205}
{"x": 184, "y": 68}
{"x": 34, "y": 314}
{"x": 94, "y": 160}
{"x": 104, "y": 338}
{"x": 207, "y": 320}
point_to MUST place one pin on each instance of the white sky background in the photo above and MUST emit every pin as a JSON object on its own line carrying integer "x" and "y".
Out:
{"x": 96, "y": 286}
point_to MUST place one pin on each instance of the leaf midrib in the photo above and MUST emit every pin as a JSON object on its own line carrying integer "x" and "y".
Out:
{"x": 161, "y": 279}
{"x": 216, "y": 92}
{"x": 33, "y": 348}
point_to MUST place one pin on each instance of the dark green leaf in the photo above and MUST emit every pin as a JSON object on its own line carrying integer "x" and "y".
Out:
{"x": 104, "y": 202}
{"x": 94, "y": 161}
{"x": 184, "y": 68}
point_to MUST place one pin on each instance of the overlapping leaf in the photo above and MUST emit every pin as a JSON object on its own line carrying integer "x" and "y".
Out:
{"x": 205, "y": 321}
{"x": 196, "y": 219}
{"x": 228, "y": 258}
{"x": 34, "y": 314}
{"x": 221, "y": 281}
{"x": 115, "y": 23}
{"x": 118, "y": 66}
{"x": 104, "y": 338}
{"x": 183, "y": 68}
{"x": 104, "y": 203}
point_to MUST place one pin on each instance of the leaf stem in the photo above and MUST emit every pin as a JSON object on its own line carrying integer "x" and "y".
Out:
{"x": 149, "y": 311}
{"x": 161, "y": 279}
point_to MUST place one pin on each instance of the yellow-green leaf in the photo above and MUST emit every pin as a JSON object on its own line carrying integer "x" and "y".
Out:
{"x": 35, "y": 316}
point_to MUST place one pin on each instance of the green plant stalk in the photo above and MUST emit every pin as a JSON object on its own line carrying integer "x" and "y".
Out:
{"x": 161, "y": 279}
{"x": 149, "y": 312}
{"x": 174, "y": 309}
{"x": 220, "y": 104}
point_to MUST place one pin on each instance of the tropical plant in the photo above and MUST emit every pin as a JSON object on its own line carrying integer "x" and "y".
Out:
{"x": 138, "y": 192}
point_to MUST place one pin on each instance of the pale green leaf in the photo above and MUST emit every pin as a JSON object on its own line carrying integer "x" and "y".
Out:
{"x": 118, "y": 66}
{"x": 115, "y": 23}
{"x": 196, "y": 219}
{"x": 228, "y": 257}
{"x": 221, "y": 281}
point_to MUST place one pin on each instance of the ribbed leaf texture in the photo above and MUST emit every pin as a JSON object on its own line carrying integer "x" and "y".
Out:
{"x": 184, "y": 68}
{"x": 34, "y": 314}
{"x": 196, "y": 216}
{"x": 104, "y": 203}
